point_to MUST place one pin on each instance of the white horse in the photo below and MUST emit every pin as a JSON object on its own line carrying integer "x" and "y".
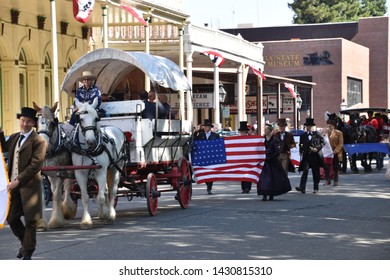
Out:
{"x": 95, "y": 145}
{"x": 57, "y": 155}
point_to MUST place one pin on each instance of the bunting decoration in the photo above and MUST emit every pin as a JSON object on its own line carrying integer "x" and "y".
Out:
{"x": 215, "y": 57}
{"x": 290, "y": 88}
{"x": 258, "y": 73}
{"x": 136, "y": 13}
{"x": 82, "y": 9}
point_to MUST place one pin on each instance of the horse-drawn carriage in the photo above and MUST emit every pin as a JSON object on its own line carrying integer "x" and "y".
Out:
{"x": 120, "y": 154}
{"x": 361, "y": 141}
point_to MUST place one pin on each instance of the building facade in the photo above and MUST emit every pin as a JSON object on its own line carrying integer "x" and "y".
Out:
{"x": 346, "y": 61}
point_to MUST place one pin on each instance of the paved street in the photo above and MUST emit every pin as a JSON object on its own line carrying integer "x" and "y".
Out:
{"x": 351, "y": 221}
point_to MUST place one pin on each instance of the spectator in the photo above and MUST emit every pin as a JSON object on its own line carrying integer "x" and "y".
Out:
{"x": 163, "y": 98}
{"x": 26, "y": 151}
{"x": 310, "y": 144}
{"x": 206, "y": 134}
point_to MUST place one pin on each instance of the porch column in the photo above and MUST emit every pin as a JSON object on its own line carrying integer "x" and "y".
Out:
{"x": 217, "y": 112}
{"x": 240, "y": 98}
{"x": 147, "y": 50}
{"x": 105, "y": 26}
{"x": 56, "y": 87}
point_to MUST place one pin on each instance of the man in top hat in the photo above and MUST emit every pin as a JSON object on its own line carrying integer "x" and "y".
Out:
{"x": 26, "y": 155}
{"x": 87, "y": 92}
{"x": 206, "y": 134}
{"x": 244, "y": 130}
{"x": 287, "y": 143}
{"x": 310, "y": 144}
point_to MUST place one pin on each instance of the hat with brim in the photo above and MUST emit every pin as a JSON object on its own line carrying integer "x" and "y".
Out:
{"x": 332, "y": 122}
{"x": 87, "y": 75}
{"x": 243, "y": 126}
{"x": 208, "y": 123}
{"x": 282, "y": 122}
{"x": 309, "y": 122}
{"x": 29, "y": 113}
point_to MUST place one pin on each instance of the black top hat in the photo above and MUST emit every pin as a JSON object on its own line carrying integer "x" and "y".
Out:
{"x": 282, "y": 122}
{"x": 243, "y": 126}
{"x": 208, "y": 122}
{"x": 28, "y": 112}
{"x": 309, "y": 121}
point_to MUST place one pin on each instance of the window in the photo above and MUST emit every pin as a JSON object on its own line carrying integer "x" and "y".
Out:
{"x": 354, "y": 91}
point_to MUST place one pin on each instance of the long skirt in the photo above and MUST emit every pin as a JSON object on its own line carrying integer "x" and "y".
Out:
{"x": 273, "y": 180}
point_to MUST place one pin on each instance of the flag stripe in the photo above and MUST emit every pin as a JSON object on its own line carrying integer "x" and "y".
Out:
{"x": 245, "y": 156}
{"x": 82, "y": 9}
{"x": 135, "y": 13}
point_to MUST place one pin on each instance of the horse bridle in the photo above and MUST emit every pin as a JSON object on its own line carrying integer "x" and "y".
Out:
{"x": 97, "y": 149}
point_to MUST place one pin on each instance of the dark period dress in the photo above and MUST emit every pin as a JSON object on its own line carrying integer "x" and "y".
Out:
{"x": 273, "y": 179}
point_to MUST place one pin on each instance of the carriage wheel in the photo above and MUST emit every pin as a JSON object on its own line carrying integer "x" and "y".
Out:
{"x": 151, "y": 194}
{"x": 184, "y": 191}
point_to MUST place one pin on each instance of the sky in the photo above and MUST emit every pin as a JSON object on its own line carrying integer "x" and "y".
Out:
{"x": 229, "y": 13}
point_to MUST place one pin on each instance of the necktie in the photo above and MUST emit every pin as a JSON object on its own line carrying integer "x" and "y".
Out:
{"x": 20, "y": 139}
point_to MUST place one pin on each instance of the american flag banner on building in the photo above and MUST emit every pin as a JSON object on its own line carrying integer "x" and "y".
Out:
{"x": 215, "y": 57}
{"x": 82, "y": 9}
{"x": 291, "y": 89}
{"x": 236, "y": 158}
{"x": 257, "y": 72}
{"x": 135, "y": 13}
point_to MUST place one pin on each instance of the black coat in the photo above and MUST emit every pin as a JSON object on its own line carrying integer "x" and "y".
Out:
{"x": 311, "y": 159}
{"x": 273, "y": 179}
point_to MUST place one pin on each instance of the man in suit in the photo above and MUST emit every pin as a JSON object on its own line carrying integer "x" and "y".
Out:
{"x": 206, "y": 134}
{"x": 287, "y": 143}
{"x": 26, "y": 154}
{"x": 310, "y": 144}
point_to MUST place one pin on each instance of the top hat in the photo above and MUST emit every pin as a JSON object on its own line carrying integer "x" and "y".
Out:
{"x": 88, "y": 75}
{"x": 309, "y": 121}
{"x": 243, "y": 126}
{"x": 208, "y": 122}
{"x": 282, "y": 122}
{"x": 28, "y": 112}
{"x": 331, "y": 121}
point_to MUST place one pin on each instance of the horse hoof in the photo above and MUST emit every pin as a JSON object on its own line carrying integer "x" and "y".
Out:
{"x": 86, "y": 226}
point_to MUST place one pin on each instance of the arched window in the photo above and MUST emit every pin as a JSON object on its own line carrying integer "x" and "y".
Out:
{"x": 48, "y": 80}
{"x": 23, "y": 94}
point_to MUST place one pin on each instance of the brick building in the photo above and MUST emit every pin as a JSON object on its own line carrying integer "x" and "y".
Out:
{"x": 345, "y": 60}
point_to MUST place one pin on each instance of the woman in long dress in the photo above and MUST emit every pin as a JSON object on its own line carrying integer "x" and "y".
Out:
{"x": 273, "y": 179}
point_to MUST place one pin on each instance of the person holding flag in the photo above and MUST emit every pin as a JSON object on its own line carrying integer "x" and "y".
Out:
{"x": 206, "y": 134}
{"x": 26, "y": 155}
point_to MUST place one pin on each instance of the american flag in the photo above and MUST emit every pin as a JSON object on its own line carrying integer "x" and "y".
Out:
{"x": 236, "y": 158}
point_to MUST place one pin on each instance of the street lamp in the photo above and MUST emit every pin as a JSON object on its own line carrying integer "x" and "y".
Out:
{"x": 222, "y": 93}
{"x": 298, "y": 105}
{"x": 343, "y": 105}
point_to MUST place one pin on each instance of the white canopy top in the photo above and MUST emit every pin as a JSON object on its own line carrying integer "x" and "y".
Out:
{"x": 110, "y": 66}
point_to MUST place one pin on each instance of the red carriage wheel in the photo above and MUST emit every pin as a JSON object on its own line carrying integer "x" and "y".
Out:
{"x": 152, "y": 194}
{"x": 184, "y": 191}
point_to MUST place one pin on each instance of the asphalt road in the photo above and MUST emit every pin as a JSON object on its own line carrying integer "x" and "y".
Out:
{"x": 348, "y": 222}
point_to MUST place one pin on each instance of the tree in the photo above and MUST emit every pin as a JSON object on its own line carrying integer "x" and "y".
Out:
{"x": 322, "y": 11}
